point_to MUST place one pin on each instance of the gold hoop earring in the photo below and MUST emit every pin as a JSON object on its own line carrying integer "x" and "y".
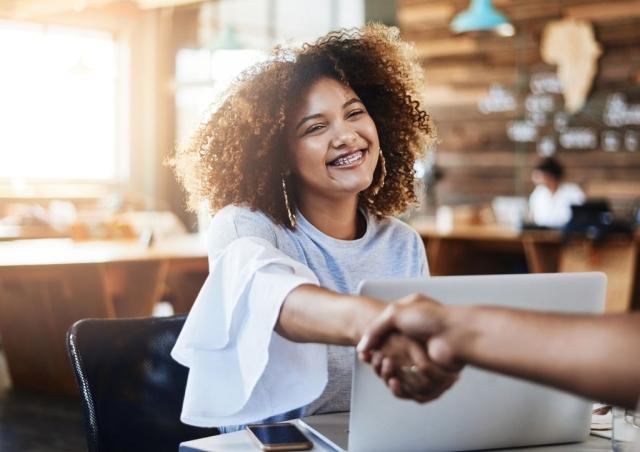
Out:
{"x": 292, "y": 216}
{"x": 383, "y": 174}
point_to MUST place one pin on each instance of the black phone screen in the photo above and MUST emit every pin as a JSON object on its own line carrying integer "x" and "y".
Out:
{"x": 278, "y": 434}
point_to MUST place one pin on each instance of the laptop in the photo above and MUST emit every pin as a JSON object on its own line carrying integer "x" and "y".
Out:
{"x": 595, "y": 219}
{"x": 483, "y": 410}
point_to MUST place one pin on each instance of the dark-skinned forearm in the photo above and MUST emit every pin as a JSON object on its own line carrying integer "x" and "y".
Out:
{"x": 595, "y": 356}
{"x": 314, "y": 314}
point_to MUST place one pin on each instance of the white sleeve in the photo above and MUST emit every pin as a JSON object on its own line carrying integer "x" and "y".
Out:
{"x": 422, "y": 255}
{"x": 240, "y": 369}
{"x": 578, "y": 196}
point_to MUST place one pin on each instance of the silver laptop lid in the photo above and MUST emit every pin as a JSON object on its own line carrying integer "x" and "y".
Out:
{"x": 483, "y": 410}
{"x": 331, "y": 429}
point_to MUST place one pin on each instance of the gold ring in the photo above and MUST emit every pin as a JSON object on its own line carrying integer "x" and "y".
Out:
{"x": 413, "y": 369}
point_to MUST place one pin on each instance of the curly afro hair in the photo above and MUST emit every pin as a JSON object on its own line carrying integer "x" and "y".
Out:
{"x": 238, "y": 155}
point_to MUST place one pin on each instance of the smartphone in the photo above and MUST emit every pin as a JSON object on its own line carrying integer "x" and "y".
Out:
{"x": 279, "y": 437}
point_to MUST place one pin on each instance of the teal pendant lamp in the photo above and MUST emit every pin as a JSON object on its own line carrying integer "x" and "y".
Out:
{"x": 227, "y": 39}
{"x": 482, "y": 16}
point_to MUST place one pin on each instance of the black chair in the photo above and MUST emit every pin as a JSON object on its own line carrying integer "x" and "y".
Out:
{"x": 131, "y": 388}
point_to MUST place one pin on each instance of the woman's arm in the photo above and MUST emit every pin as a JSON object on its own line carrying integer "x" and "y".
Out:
{"x": 594, "y": 356}
{"x": 314, "y": 314}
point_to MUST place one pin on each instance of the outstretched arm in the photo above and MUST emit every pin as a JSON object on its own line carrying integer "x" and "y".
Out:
{"x": 314, "y": 314}
{"x": 594, "y": 356}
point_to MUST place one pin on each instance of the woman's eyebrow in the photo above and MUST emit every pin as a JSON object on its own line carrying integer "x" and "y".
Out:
{"x": 306, "y": 118}
{"x": 351, "y": 101}
{"x": 319, "y": 115}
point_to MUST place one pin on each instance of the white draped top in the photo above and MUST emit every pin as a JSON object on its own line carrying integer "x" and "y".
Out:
{"x": 240, "y": 370}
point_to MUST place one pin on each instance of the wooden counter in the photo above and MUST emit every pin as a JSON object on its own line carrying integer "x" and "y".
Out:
{"x": 492, "y": 249}
{"x": 46, "y": 285}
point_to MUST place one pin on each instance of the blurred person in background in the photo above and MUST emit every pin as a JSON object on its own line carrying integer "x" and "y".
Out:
{"x": 551, "y": 200}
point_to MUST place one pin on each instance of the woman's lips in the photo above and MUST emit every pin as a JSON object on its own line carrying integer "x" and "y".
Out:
{"x": 349, "y": 160}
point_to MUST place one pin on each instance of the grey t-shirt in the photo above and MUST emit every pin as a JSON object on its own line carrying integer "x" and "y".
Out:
{"x": 388, "y": 249}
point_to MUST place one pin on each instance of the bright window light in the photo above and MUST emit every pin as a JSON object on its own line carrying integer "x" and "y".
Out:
{"x": 202, "y": 76}
{"x": 58, "y": 104}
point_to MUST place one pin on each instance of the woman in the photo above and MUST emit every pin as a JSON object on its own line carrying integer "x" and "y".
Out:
{"x": 304, "y": 161}
{"x": 550, "y": 202}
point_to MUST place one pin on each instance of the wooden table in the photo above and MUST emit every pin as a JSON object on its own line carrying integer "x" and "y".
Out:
{"x": 46, "y": 285}
{"x": 487, "y": 249}
{"x": 241, "y": 442}
{"x": 67, "y": 251}
{"x": 17, "y": 232}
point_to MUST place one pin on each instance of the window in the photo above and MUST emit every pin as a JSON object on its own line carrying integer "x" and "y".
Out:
{"x": 201, "y": 77}
{"x": 59, "y": 103}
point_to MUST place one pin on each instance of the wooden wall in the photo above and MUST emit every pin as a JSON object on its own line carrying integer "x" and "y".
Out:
{"x": 478, "y": 159}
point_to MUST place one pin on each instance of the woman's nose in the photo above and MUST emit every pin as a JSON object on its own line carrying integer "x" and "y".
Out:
{"x": 345, "y": 136}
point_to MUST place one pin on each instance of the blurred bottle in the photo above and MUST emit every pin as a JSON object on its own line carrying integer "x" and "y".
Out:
{"x": 626, "y": 430}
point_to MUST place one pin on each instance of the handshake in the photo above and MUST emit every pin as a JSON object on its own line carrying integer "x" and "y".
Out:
{"x": 412, "y": 346}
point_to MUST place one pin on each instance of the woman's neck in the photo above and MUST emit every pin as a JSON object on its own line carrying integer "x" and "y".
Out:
{"x": 335, "y": 218}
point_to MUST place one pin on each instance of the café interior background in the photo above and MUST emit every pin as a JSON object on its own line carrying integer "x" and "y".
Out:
{"x": 96, "y": 94}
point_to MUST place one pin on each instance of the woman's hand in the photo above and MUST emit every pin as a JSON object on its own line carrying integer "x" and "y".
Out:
{"x": 409, "y": 347}
{"x": 405, "y": 367}
{"x": 422, "y": 319}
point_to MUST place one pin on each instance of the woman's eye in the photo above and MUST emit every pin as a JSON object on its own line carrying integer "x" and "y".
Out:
{"x": 355, "y": 113}
{"x": 313, "y": 128}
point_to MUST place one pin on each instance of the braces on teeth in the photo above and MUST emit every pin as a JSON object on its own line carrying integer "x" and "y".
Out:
{"x": 349, "y": 159}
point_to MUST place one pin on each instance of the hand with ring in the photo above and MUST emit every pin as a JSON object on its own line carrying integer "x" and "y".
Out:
{"x": 405, "y": 367}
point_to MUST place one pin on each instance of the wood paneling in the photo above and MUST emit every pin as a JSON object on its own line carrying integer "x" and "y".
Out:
{"x": 604, "y": 11}
{"x": 478, "y": 159}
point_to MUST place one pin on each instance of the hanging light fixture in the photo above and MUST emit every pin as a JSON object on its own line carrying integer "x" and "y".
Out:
{"x": 482, "y": 16}
{"x": 212, "y": 34}
{"x": 227, "y": 39}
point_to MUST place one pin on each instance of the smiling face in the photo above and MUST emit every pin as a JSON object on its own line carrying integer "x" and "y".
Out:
{"x": 332, "y": 142}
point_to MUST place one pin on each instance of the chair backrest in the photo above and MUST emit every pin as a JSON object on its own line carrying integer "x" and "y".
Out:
{"x": 131, "y": 388}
